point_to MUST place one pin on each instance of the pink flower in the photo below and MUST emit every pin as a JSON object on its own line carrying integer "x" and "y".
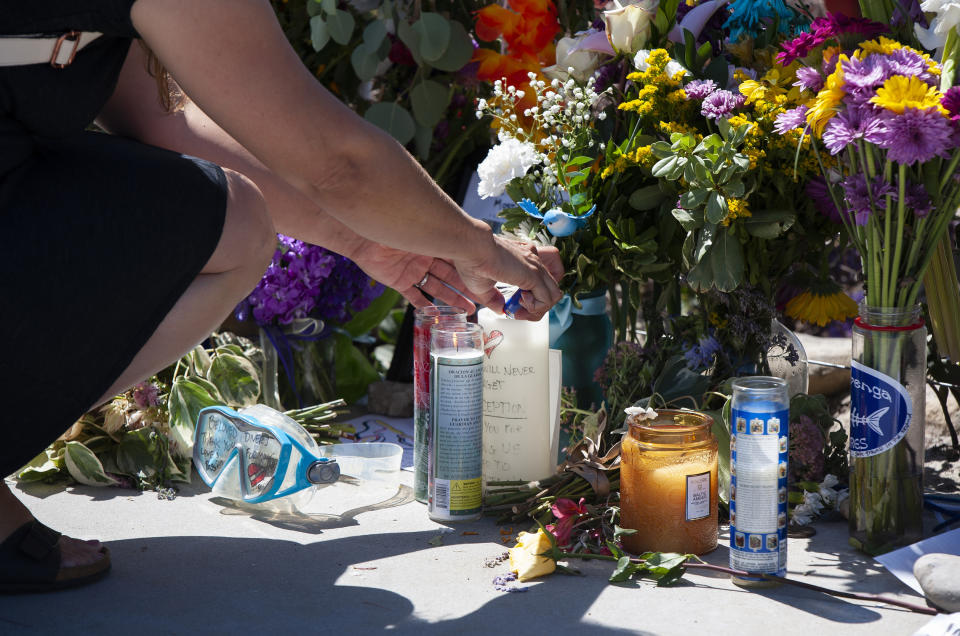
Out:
{"x": 567, "y": 514}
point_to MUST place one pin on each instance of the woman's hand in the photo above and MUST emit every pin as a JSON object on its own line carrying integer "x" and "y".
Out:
{"x": 413, "y": 275}
{"x": 534, "y": 269}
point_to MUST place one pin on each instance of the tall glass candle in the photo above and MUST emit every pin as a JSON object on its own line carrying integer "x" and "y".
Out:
{"x": 668, "y": 483}
{"x": 456, "y": 423}
{"x": 424, "y": 319}
{"x": 760, "y": 415}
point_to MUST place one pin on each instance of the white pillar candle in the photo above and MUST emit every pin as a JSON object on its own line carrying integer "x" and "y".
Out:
{"x": 516, "y": 399}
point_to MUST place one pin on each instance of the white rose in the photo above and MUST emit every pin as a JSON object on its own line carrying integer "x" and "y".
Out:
{"x": 570, "y": 55}
{"x": 506, "y": 161}
{"x": 628, "y": 27}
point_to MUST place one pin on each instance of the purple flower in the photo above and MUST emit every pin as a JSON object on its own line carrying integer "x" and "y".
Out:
{"x": 701, "y": 355}
{"x": 818, "y": 191}
{"x": 798, "y": 48}
{"x": 852, "y": 124}
{"x": 910, "y": 63}
{"x": 809, "y": 78}
{"x": 862, "y": 200}
{"x": 807, "y": 462}
{"x": 790, "y": 119}
{"x": 916, "y": 135}
{"x": 865, "y": 74}
{"x": 699, "y": 89}
{"x": 145, "y": 395}
{"x": 918, "y": 200}
{"x": 720, "y": 103}
{"x": 951, "y": 101}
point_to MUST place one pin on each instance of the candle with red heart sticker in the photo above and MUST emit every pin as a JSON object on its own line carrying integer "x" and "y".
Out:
{"x": 424, "y": 319}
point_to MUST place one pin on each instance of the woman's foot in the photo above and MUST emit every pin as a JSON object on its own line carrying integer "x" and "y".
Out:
{"x": 86, "y": 559}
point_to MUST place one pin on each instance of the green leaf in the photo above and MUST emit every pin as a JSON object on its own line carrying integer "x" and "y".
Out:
{"x": 411, "y": 38}
{"x": 40, "y": 468}
{"x": 423, "y": 141}
{"x": 329, "y": 6}
{"x": 84, "y": 466}
{"x": 625, "y": 569}
{"x": 365, "y": 321}
{"x": 693, "y": 199}
{"x": 394, "y": 119}
{"x": 686, "y": 219}
{"x": 434, "y": 32}
{"x": 340, "y": 25}
{"x": 646, "y": 198}
{"x": 429, "y": 100}
{"x": 141, "y": 452}
{"x": 716, "y": 207}
{"x": 459, "y": 50}
{"x": 769, "y": 224}
{"x": 374, "y": 34}
{"x": 727, "y": 261}
{"x": 237, "y": 380}
{"x": 186, "y": 398}
{"x": 314, "y": 7}
{"x": 664, "y": 167}
{"x": 352, "y": 370}
{"x": 717, "y": 71}
{"x": 365, "y": 60}
{"x": 319, "y": 33}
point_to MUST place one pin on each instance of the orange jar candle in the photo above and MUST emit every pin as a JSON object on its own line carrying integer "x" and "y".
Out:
{"x": 668, "y": 483}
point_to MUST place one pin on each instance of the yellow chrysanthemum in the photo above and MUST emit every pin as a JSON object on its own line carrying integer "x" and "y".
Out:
{"x": 820, "y": 309}
{"x": 900, "y": 92}
{"x": 882, "y": 44}
{"x": 825, "y": 104}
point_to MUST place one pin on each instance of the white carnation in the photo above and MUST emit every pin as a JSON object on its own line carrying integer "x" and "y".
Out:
{"x": 506, "y": 161}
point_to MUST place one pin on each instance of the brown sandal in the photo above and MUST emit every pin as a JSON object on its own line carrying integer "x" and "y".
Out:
{"x": 30, "y": 562}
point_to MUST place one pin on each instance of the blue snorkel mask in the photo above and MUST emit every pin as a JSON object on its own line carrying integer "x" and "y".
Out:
{"x": 257, "y": 455}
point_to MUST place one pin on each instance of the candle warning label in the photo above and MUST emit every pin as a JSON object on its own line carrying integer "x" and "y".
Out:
{"x": 456, "y": 440}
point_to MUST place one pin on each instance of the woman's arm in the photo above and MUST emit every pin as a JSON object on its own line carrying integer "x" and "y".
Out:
{"x": 134, "y": 111}
{"x": 232, "y": 59}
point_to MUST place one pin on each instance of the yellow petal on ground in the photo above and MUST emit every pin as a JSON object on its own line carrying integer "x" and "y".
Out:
{"x": 525, "y": 557}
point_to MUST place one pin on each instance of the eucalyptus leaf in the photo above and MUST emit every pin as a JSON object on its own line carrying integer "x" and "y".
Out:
{"x": 365, "y": 61}
{"x": 319, "y": 33}
{"x": 429, "y": 100}
{"x": 374, "y": 33}
{"x": 329, "y": 6}
{"x": 237, "y": 380}
{"x": 394, "y": 119}
{"x": 434, "y": 31}
{"x": 459, "y": 50}
{"x": 411, "y": 38}
{"x": 84, "y": 466}
{"x": 314, "y": 7}
{"x": 340, "y": 25}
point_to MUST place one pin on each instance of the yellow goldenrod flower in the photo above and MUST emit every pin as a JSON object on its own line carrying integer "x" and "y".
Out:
{"x": 825, "y": 104}
{"x": 820, "y": 309}
{"x": 736, "y": 208}
{"x": 526, "y": 559}
{"x": 900, "y": 92}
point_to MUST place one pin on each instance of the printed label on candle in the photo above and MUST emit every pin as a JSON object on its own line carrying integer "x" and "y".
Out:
{"x": 698, "y": 496}
{"x": 456, "y": 443}
{"x": 758, "y": 491}
{"x": 421, "y": 408}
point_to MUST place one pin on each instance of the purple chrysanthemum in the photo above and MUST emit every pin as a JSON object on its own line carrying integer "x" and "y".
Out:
{"x": 790, "y": 119}
{"x": 852, "y": 124}
{"x": 916, "y": 135}
{"x": 918, "y": 200}
{"x": 720, "y": 103}
{"x": 699, "y": 89}
{"x": 951, "y": 101}
{"x": 809, "y": 78}
{"x": 861, "y": 200}
{"x": 910, "y": 63}
{"x": 818, "y": 191}
{"x": 867, "y": 73}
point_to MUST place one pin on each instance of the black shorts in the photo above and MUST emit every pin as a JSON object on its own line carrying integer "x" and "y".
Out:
{"x": 101, "y": 236}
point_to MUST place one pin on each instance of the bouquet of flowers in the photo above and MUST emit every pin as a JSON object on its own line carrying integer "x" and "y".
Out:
{"x": 304, "y": 305}
{"x": 885, "y": 115}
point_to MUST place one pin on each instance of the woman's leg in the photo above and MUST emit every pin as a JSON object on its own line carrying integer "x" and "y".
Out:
{"x": 241, "y": 256}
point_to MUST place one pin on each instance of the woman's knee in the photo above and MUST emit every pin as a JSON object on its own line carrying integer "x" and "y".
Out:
{"x": 248, "y": 239}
